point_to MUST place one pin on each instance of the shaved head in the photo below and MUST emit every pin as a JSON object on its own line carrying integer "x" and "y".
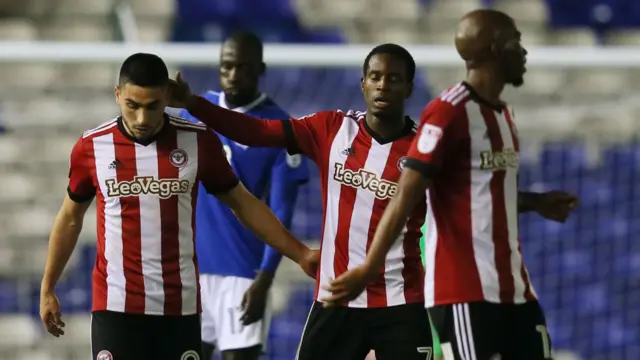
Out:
{"x": 489, "y": 39}
{"x": 479, "y": 31}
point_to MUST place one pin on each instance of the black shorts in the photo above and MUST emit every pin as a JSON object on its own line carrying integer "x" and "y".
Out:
{"x": 342, "y": 333}
{"x": 118, "y": 336}
{"x": 480, "y": 330}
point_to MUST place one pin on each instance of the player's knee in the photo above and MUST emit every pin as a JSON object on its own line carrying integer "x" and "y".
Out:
{"x": 251, "y": 353}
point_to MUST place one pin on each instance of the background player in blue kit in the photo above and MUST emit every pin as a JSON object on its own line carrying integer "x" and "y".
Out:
{"x": 236, "y": 268}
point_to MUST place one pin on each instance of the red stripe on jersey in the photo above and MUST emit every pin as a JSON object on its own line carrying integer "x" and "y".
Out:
{"x": 502, "y": 252}
{"x": 194, "y": 201}
{"x": 360, "y": 151}
{"x": 125, "y": 152}
{"x": 455, "y": 244}
{"x": 169, "y": 229}
{"x": 99, "y": 298}
{"x": 528, "y": 293}
{"x": 322, "y": 161}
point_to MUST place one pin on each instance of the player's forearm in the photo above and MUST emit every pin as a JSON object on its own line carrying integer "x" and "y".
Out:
{"x": 411, "y": 189}
{"x": 527, "y": 201}
{"x": 237, "y": 126}
{"x": 282, "y": 202}
{"x": 393, "y": 220}
{"x": 62, "y": 241}
{"x": 270, "y": 260}
{"x": 261, "y": 221}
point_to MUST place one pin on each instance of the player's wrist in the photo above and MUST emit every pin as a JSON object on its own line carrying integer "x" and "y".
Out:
{"x": 47, "y": 287}
{"x": 191, "y": 102}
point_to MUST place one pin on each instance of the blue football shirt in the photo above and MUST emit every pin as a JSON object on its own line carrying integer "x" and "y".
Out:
{"x": 223, "y": 245}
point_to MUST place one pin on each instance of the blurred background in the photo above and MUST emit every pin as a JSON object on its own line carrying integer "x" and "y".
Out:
{"x": 579, "y": 126}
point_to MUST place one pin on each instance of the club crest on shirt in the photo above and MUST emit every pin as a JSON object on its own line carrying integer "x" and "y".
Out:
{"x": 178, "y": 158}
{"x": 401, "y": 162}
{"x": 104, "y": 355}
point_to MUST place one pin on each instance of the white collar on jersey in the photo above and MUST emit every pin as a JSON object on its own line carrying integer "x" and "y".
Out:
{"x": 241, "y": 109}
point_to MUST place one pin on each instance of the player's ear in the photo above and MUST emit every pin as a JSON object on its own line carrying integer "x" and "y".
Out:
{"x": 116, "y": 92}
{"x": 362, "y": 84}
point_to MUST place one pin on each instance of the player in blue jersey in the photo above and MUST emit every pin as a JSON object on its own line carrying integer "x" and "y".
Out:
{"x": 236, "y": 268}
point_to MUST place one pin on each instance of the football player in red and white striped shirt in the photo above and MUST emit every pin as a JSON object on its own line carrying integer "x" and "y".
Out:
{"x": 143, "y": 167}
{"x": 477, "y": 287}
{"x": 360, "y": 157}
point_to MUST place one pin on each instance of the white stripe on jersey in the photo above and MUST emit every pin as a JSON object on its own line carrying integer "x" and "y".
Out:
{"x": 482, "y": 206}
{"x": 342, "y": 140}
{"x": 150, "y": 234}
{"x": 362, "y": 211}
{"x": 104, "y": 152}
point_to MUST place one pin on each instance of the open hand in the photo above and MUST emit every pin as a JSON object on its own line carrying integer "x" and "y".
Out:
{"x": 50, "y": 313}
{"x": 254, "y": 300}
{"x": 556, "y": 205}
{"x": 347, "y": 286}
{"x": 179, "y": 92}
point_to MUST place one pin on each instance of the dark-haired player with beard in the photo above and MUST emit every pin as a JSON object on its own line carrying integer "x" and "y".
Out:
{"x": 143, "y": 168}
{"x": 360, "y": 156}
{"x": 477, "y": 288}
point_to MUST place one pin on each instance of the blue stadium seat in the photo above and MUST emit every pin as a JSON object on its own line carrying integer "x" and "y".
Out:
{"x": 9, "y": 296}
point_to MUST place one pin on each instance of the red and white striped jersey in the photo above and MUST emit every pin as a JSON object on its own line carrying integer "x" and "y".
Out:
{"x": 146, "y": 194}
{"x": 359, "y": 173}
{"x": 470, "y": 150}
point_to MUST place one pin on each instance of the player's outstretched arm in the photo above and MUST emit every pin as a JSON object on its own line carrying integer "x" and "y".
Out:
{"x": 411, "y": 188}
{"x": 257, "y": 217}
{"x": 552, "y": 205}
{"x": 238, "y": 127}
{"x": 62, "y": 241}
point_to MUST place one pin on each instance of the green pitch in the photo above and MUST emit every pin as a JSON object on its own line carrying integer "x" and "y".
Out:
{"x": 437, "y": 352}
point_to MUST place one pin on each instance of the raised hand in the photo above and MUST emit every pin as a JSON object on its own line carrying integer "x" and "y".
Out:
{"x": 179, "y": 92}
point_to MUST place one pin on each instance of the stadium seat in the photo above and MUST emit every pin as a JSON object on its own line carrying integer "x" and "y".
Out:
{"x": 78, "y": 329}
{"x": 524, "y": 11}
{"x": 160, "y": 9}
{"x": 84, "y": 8}
{"x": 17, "y": 30}
{"x": 15, "y": 187}
{"x": 18, "y": 330}
{"x": 86, "y": 29}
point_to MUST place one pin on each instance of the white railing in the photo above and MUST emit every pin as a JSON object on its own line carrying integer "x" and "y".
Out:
{"x": 303, "y": 55}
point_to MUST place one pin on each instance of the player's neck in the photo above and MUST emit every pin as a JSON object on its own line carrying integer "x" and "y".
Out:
{"x": 385, "y": 127}
{"x": 242, "y": 100}
{"x": 486, "y": 84}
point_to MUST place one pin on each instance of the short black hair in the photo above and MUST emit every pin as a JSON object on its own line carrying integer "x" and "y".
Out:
{"x": 146, "y": 70}
{"x": 247, "y": 39}
{"x": 394, "y": 50}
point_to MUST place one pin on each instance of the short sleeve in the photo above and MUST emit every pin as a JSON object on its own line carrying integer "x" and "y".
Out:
{"x": 290, "y": 168}
{"x": 435, "y": 134}
{"x": 81, "y": 187}
{"x": 214, "y": 171}
{"x": 309, "y": 134}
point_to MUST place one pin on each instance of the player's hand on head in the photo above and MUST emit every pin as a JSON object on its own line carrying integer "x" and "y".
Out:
{"x": 557, "y": 205}
{"x": 346, "y": 287}
{"x": 309, "y": 262}
{"x": 50, "y": 314}
{"x": 179, "y": 92}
